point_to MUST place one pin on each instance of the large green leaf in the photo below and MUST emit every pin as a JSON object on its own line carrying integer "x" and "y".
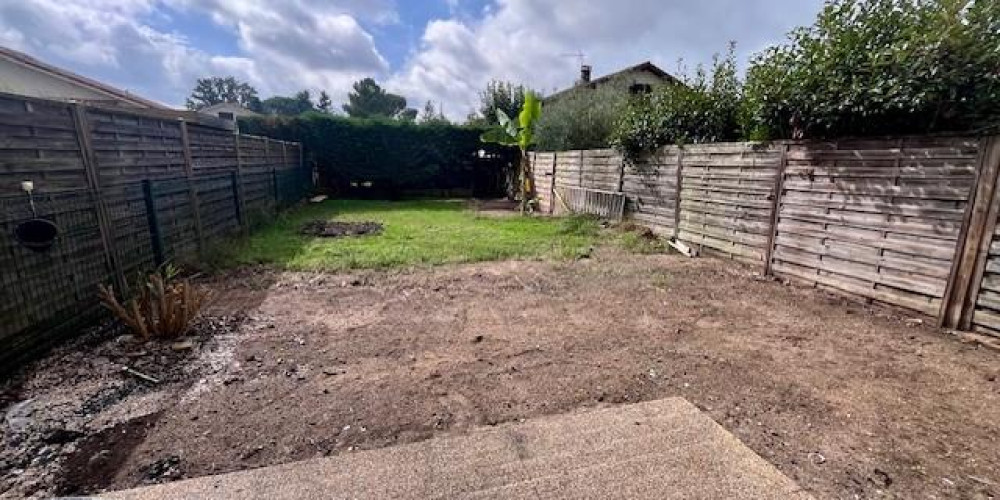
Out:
{"x": 500, "y": 136}
{"x": 531, "y": 111}
{"x": 502, "y": 118}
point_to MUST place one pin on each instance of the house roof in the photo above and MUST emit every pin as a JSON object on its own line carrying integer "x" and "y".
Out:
{"x": 643, "y": 66}
{"x": 228, "y": 106}
{"x": 82, "y": 81}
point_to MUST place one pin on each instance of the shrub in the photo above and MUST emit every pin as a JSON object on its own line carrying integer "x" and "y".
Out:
{"x": 707, "y": 108}
{"x": 391, "y": 155}
{"x": 581, "y": 119}
{"x": 872, "y": 67}
{"x": 163, "y": 308}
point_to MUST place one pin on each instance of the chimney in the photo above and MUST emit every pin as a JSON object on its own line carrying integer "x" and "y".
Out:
{"x": 585, "y": 73}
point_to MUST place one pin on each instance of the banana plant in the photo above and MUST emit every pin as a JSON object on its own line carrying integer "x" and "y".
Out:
{"x": 522, "y": 135}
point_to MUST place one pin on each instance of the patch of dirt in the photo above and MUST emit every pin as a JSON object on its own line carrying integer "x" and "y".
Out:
{"x": 501, "y": 208}
{"x": 850, "y": 400}
{"x": 337, "y": 229}
{"x": 71, "y": 419}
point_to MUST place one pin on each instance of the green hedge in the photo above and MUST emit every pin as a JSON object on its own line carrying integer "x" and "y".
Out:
{"x": 390, "y": 155}
{"x": 864, "y": 68}
{"x": 874, "y": 67}
{"x": 582, "y": 118}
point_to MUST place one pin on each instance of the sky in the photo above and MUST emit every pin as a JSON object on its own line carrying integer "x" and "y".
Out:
{"x": 443, "y": 51}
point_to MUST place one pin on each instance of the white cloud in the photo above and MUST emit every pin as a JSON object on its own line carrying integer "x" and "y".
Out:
{"x": 282, "y": 47}
{"x": 530, "y": 41}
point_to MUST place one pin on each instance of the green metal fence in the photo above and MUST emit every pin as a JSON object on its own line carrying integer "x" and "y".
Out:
{"x": 51, "y": 295}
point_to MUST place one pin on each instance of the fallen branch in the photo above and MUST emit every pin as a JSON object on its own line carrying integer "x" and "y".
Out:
{"x": 140, "y": 375}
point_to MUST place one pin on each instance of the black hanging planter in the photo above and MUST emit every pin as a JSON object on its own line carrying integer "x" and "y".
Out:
{"x": 36, "y": 234}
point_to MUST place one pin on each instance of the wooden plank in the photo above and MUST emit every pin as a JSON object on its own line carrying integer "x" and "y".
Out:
{"x": 679, "y": 182}
{"x": 192, "y": 191}
{"x": 775, "y": 207}
{"x": 959, "y": 295}
{"x": 991, "y": 147}
{"x": 79, "y": 114}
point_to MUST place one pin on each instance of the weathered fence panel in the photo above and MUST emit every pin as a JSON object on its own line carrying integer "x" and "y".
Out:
{"x": 651, "y": 191}
{"x": 726, "y": 192}
{"x": 543, "y": 166}
{"x": 910, "y": 221}
{"x": 38, "y": 140}
{"x": 601, "y": 170}
{"x": 873, "y": 219}
{"x": 128, "y": 191}
{"x": 128, "y": 148}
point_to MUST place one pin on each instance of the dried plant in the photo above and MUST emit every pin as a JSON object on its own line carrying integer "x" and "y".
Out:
{"x": 163, "y": 307}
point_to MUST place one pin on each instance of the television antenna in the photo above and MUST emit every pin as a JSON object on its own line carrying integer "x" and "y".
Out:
{"x": 580, "y": 56}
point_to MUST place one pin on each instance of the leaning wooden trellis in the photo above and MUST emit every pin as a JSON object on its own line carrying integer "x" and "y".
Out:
{"x": 908, "y": 221}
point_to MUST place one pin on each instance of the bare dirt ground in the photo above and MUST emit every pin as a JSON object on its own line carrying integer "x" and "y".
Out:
{"x": 851, "y": 401}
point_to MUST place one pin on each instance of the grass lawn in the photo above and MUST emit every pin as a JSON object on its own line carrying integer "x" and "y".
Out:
{"x": 415, "y": 233}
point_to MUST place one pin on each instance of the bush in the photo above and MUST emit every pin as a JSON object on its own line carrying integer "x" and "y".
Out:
{"x": 873, "y": 67}
{"x": 582, "y": 119}
{"x": 389, "y": 155}
{"x": 707, "y": 108}
{"x": 163, "y": 308}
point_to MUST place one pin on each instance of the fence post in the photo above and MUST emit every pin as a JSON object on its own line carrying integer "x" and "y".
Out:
{"x": 677, "y": 195}
{"x": 779, "y": 188}
{"x": 192, "y": 190}
{"x": 552, "y": 183}
{"x": 153, "y": 218}
{"x": 241, "y": 198}
{"x": 238, "y": 200}
{"x": 80, "y": 123}
{"x": 621, "y": 174}
{"x": 307, "y": 174}
{"x": 277, "y": 195}
{"x": 972, "y": 249}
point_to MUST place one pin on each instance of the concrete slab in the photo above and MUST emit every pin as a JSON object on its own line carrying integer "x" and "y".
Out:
{"x": 660, "y": 449}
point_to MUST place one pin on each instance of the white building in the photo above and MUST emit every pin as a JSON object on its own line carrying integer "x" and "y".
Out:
{"x": 21, "y": 74}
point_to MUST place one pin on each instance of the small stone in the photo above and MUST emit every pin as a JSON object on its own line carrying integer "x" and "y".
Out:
{"x": 477, "y": 339}
{"x": 184, "y": 345}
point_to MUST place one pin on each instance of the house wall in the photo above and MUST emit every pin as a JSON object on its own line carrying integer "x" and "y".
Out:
{"x": 20, "y": 80}
{"x": 633, "y": 77}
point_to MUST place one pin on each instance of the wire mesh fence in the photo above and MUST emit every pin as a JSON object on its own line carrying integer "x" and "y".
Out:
{"x": 49, "y": 295}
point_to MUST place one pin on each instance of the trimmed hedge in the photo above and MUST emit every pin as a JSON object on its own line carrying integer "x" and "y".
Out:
{"x": 391, "y": 156}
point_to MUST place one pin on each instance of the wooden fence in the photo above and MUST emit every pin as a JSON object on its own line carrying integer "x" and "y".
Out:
{"x": 128, "y": 190}
{"x": 909, "y": 221}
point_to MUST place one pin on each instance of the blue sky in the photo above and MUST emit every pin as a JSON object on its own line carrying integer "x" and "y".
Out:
{"x": 438, "y": 50}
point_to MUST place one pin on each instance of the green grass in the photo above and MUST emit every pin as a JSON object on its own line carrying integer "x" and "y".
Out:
{"x": 416, "y": 233}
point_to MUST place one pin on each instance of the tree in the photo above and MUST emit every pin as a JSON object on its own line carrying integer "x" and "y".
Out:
{"x": 369, "y": 100}
{"x": 289, "y": 106}
{"x": 582, "y": 119}
{"x": 521, "y": 133}
{"x": 432, "y": 115}
{"x": 325, "y": 104}
{"x": 217, "y": 90}
{"x": 708, "y": 107}
{"x": 499, "y": 95}
{"x": 407, "y": 115}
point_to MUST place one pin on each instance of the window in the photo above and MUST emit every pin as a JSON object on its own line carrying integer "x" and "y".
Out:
{"x": 226, "y": 115}
{"x": 640, "y": 88}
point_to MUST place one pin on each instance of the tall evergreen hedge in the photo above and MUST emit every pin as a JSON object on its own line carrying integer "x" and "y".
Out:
{"x": 390, "y": 155}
